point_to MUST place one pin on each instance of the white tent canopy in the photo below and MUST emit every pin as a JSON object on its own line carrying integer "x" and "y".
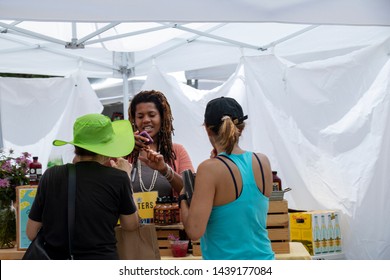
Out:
{"x": 360, "y": 12}
{"x": 312, "y": 75}
{"x": 175, "y": 35}
{"x": 123, "y": 50}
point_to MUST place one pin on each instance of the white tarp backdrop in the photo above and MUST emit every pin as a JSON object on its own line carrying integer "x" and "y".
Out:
{"x": 326, "y": 132}
{"x": 34, "y": 112}
{"x": 317, "y": 93}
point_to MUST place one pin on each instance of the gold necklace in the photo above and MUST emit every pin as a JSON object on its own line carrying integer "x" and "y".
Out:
{"x": 141, "y": 183}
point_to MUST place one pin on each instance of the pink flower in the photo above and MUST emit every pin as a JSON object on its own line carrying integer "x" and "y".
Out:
{"x": 7, "y": 167}
{"x": 4, "y": 183}
{"x": 173, "y": 237}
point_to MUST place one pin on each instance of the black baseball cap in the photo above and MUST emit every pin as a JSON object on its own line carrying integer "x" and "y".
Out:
{"x": 219, "y": 107}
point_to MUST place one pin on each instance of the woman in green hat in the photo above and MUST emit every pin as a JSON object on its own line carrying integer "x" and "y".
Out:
{"x": 103, "y": 193}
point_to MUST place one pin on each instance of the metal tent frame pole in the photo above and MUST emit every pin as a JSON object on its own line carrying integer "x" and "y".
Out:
{"x": 126, "y": 72}
{"x": 125, "y": 77}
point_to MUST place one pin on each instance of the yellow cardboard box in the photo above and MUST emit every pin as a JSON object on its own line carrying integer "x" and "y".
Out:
{"x": 319, "y": 231}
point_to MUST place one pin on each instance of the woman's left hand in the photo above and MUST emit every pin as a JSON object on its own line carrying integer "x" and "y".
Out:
{"x": 154, "y": 160}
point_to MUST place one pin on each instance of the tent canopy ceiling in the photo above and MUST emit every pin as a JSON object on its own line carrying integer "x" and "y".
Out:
{"x": 57, "y": 38}
{"x": 360, "y": 12}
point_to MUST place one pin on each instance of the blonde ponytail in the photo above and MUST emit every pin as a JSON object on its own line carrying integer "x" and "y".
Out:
{"x": 228, "y": 134}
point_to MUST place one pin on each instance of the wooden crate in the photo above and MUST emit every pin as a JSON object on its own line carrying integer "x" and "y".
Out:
{"x": 278, "y": 226}
{"x": 162, "y": 236}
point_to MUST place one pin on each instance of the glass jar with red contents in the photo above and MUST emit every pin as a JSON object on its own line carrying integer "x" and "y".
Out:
{"x": 277, "y": 182}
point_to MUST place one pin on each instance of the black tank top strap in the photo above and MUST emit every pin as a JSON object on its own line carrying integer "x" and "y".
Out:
{"x": 230, "y": 170}
{"x": 261, "y": 169}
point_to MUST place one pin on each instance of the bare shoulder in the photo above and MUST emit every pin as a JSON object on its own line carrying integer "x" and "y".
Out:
{"x": 208, "y": 175}
{"x": 211, "y": 169}
{"x": 264, "y": 159}
{"x": 209, "y": 165}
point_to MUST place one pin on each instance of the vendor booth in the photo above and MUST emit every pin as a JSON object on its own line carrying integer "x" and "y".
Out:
{"x": 313, "y": 77}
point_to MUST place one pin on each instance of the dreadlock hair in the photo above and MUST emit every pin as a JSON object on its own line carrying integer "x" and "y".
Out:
{"x": 164, "y": 143}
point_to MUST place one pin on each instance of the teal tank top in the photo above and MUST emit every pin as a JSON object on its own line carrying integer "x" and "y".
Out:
{"x": 237, "y": 230}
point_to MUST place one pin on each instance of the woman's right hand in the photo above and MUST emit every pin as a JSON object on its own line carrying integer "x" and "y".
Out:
{"x": 213, "y": 153}
{"x": 140, "y": 141}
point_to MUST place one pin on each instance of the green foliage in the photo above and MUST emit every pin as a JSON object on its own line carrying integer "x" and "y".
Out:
{"x": 7, "y": 227}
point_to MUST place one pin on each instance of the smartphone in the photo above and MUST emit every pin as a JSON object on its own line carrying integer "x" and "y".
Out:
{"x": 145, "y": 134}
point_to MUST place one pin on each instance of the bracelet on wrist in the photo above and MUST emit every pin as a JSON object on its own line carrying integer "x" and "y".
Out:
{"x": 166, "y": 170}
{"x": 169, "y": 174}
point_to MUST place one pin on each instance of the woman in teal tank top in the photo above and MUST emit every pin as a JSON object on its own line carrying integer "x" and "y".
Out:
{"x": 229, "y": 206}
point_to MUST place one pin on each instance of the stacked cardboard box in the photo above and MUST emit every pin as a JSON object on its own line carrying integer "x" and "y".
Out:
{"x": 319, "y": 231}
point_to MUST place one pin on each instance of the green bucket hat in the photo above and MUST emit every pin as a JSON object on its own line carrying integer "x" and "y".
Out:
{"x": 96, "y": 133}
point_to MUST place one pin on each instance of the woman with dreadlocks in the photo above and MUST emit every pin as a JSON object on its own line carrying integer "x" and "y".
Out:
{"x": 157, "y": 162}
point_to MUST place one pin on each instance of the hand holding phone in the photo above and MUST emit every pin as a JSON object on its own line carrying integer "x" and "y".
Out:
{"x": 146, "y": 135}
